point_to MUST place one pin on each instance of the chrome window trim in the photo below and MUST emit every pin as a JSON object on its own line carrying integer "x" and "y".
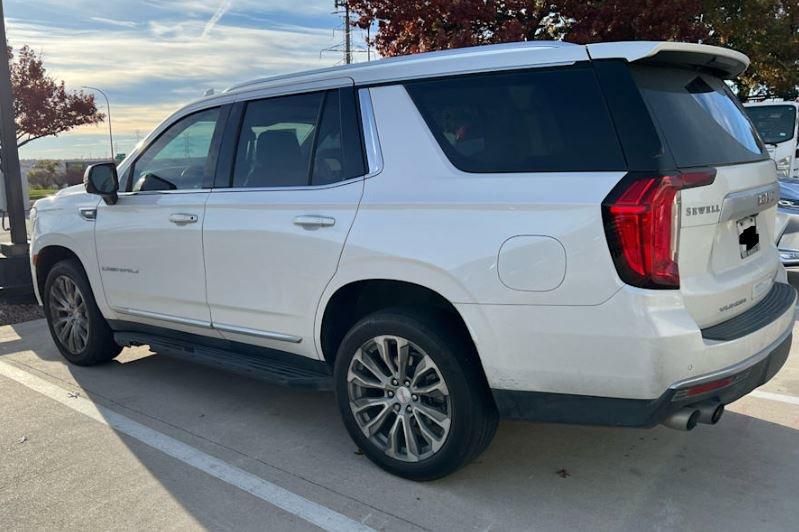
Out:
{"x": 371, "y": 138}
{"x": 293, "y": 89}
{"x": 374, "y": 155}
{"x": 288, "y": 189}
{"x": 155, "y": 192}
{"x": 268, "y": 335}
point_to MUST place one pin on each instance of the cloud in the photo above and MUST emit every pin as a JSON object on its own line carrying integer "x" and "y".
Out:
{"x": 224, "y": 6}
{"x": 165, "y": 64}
{"x": 112, "y": 22}
{"x": 149, "y": 57}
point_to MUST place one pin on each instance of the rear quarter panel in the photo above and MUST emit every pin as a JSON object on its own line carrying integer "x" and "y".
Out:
{"x": 424, "y": 221}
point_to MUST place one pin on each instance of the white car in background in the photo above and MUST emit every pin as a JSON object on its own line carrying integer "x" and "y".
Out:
{"x": 777, "y": 122}
{"x": 543, "y": 231}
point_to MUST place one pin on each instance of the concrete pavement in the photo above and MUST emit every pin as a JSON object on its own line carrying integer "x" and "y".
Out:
{"x": 62, "y": 469}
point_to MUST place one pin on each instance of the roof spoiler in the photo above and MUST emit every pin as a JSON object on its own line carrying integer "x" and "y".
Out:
{"x": 726, "y": 62}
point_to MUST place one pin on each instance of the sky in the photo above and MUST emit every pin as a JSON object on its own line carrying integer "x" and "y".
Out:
{"x": 153, "y": 56}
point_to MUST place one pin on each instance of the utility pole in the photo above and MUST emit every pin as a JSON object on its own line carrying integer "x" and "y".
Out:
{"x": 9, "y": 157}
{"x": 347, "y": 29}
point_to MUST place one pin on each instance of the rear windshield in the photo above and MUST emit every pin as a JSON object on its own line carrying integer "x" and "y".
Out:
{"x": 775, "y": 123}
{"x": 700, "y": 119}
{"x": 529, "y": 121}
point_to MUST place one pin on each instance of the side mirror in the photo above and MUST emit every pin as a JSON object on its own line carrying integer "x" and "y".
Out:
{"x": 102, "y": 179}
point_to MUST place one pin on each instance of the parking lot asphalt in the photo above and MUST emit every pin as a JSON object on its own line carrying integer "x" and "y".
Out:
{"x": 149, "y": 442}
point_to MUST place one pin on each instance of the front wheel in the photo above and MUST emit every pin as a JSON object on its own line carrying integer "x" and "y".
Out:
{"x": 78, "y": 328}
{"x": 412, "y": 395}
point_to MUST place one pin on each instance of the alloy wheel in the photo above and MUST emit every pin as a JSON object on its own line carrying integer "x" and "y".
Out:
{"x": 68, "y": 314}
{"x": 399, "y": 398}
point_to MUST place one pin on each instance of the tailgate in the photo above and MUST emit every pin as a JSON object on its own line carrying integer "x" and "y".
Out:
{"x": 726, "y": 256}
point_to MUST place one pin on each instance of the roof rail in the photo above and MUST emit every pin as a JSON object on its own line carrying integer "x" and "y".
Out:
{"x": 343, "y": 69}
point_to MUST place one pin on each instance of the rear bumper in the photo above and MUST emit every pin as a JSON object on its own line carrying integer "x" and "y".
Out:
{"x": 738, "y": 380}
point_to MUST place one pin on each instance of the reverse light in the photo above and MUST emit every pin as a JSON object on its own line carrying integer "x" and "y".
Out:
{"x": 642, "y": 224}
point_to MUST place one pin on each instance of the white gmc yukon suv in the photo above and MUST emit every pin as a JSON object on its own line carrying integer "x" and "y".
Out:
{"x": 542, "y": 231}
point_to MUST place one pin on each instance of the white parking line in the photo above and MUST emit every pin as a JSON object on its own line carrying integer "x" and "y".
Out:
{"x": 312, "y": 512}
{"x": 790, "y": 399}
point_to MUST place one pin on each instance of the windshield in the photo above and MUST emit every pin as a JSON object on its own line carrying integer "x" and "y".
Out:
{"x": 775, "y": 123}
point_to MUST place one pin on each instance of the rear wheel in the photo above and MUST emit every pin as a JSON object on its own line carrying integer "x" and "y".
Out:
{"x": 412, "y": 394}
{"x": 78, "y": 328}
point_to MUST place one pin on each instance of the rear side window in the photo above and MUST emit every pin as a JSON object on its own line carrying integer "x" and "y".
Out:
{"x": 307, "y": 139}
{"x": 530, "y": 121}
{"x": 775, "y": 123}
{"x": 701, "y": 121}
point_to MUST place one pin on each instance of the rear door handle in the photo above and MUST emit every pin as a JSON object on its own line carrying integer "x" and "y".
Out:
{"x": 180, "y": 218}
{"x": 309, "y": 221}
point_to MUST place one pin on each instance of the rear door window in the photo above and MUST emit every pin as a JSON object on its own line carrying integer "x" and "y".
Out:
{"x": 300, "y": 140}
{"x": 276, "y": 141}
{"x": 551, "y": 120}
{"x": 701, "y": 121}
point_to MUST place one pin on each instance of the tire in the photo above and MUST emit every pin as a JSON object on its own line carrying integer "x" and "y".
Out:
{"x": 66, "y": 287}
{"x": 444, "y": 445}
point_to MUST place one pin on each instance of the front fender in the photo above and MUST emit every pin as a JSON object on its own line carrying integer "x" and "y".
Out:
{"x": 64, "y": 227}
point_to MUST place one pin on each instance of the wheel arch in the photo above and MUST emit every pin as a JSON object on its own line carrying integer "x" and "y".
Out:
{"x": 47, "y": 257}
{"x": 350, "y": 302}
{"x": 50, "y": 249}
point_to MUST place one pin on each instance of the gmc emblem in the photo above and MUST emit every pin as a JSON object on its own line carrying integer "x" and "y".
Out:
{"x": 764, "y": 198}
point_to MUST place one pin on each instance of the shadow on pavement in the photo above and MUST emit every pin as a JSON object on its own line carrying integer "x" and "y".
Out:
{"x": 741, "y": 474}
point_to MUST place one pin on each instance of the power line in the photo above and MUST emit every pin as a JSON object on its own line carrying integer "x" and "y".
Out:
{"x": 342, "y": 9}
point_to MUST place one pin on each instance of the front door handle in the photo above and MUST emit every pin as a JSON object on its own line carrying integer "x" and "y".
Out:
{"x": 180, "y": 218}
{"x": 311, "y": 221}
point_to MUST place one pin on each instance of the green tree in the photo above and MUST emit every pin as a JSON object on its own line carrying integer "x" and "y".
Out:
{"x": 42, "y": 106}
{"x": 411, "y": 26}
{"x": 766, "y": 30}
{"x": 629, "y": 20}
{"x": 45, "y": 174}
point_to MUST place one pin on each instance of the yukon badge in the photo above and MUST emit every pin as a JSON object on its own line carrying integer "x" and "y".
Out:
{"x": 704, "y": 209}
{"x": 732, "y": 305}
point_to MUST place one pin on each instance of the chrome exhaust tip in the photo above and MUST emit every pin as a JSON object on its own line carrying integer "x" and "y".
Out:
{"x": 684, "y": 419}
{"x": 710, "y": 413}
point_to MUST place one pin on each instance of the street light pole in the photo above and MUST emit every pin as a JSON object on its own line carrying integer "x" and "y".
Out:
{"x": 9, "y": 156}
{"x": 108, "y": 106}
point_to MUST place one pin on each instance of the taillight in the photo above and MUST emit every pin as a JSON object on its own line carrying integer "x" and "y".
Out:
{"x": 642, "y": 225}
